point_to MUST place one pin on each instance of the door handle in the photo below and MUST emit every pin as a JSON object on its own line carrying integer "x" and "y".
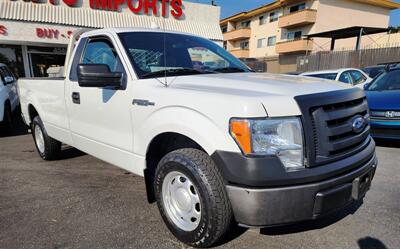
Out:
{"x": 76, "y": 98}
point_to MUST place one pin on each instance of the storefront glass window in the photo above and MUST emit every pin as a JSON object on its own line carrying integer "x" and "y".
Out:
{"x": 12, "y": 57}
{"x": 41, "y": 58}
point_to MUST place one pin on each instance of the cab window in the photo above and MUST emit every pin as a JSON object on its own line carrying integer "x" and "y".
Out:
{"x": 345, "y": 78}
{"x": 101, "y": 51}
{"x": 358, "y": 77}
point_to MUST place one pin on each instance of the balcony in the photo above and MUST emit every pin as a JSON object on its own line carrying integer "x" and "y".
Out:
{"x": 300, "y": 45}
{"x": 240, "y": 53}
{"x": 238, "y": 34}
{"x": 299, "y": 18}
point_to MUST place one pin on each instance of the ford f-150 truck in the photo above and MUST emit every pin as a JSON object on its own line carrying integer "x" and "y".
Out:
{"x": 216, "y": 143}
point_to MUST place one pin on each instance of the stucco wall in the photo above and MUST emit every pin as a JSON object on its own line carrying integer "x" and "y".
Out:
{"x": 337, "y": 14}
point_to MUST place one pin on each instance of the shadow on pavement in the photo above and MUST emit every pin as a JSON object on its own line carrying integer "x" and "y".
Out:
{"x": 69, "y": 152}
{"x": 234, "y": 233}
{"x": 18, "y": 128}
{"x": 371, "y": 243}
{"x": 313, "y": 224}
{"x": 389, "y": 143}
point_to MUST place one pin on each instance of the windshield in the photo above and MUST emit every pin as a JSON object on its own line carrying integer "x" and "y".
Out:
{"x": 386, "y": 82}
{"x": 182, "y": 55}
{"x": 328, "y": 76}
{"x": 374, "y": 71}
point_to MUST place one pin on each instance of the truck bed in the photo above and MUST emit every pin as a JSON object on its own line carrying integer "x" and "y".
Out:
{"x": 48, "y": 98}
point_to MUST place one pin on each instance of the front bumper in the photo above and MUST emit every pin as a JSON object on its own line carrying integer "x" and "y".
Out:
{"x": 328, "y": 188}
{"x": 386, "y": 129}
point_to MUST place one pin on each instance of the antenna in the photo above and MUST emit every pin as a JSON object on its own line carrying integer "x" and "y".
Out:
{"x": 165, "y": 53}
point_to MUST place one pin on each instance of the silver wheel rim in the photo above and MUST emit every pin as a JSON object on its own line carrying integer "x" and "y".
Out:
{"x": 39, "y": 139}
{"x": 181, "y": 201}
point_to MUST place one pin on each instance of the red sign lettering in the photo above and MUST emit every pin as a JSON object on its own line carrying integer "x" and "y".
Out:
{"x": 71, "y": 3}
{"x": 3, "y": 30}
{"x": 175, "y": 7}
{"x": 47, "y": 33}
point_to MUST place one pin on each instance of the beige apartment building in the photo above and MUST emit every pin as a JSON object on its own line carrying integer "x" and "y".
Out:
{"x": 277, "y": 31}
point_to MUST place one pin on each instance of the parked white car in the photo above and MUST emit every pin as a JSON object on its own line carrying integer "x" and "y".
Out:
{"x": 216, "y": 144}
{"x": 352, "y": 76}
{"x": 8, "y": 95}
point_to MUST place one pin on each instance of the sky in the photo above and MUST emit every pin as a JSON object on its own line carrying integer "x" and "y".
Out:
{"x": 231, "y": 7}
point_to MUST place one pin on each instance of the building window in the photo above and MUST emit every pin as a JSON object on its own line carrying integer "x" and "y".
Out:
{"x": 224, "y": 29}
{"x": 294, "y": 35}
{"x": 245, "y": 24}
{"x": 244, "y": 45}
{"x": 261, "y": 43}
{"x": 262, "y": 20}
{"x": 273, "y": 16}
{"x": 271, "y": 41}
{"x": 298, "y": 7}
{"x": 12, "y": 57}
{"x": 42, "y": 58}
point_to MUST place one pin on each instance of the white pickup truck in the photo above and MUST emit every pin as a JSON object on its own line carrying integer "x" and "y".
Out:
{"x": 217, "y": 143}
{"x": 8, "y": 96}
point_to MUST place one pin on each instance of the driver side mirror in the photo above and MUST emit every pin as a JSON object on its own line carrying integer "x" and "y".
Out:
{"x": 8, "y": 80}
{"x": 98, "y": 75}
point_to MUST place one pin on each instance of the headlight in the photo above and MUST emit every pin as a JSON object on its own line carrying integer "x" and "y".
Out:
{"x": 282, "y": 137}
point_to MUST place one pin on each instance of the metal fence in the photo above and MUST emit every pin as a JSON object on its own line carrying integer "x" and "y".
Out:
{"x": 344, "y": 59}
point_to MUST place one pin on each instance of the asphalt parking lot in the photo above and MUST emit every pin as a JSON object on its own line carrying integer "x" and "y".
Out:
{"x": 81, "y": 202}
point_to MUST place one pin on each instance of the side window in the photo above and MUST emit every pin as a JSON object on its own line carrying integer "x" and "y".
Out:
{"x": 345, "y": 78}
{"x": 101, "y": 51}
{"x": 358, "y": 77}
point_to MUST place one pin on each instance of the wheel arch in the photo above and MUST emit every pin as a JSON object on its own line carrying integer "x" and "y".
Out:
{"x": 159, "y": 146}
{"x": 32, "y": 113}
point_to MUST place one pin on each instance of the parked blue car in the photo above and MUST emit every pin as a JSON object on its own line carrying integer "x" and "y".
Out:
{"x": 383, "y": 96}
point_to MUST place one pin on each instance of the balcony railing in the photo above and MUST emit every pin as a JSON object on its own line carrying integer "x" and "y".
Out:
{"x": 299, "y": 18}
{"x": 240, "y": 53}
{"x": 300, "y": 45}
{"x": 238, "y": 34}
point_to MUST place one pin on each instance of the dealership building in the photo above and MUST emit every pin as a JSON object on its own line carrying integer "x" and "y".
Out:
{"x": 34, "y": 35}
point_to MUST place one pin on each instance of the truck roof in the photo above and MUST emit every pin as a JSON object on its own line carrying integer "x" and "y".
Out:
{"x": 125, "y": 30}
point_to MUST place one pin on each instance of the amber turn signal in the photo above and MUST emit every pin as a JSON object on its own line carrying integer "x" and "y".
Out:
{"x": 240, "y": 131}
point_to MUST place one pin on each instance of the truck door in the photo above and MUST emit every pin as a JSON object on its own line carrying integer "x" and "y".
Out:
{"x": 100, "y": 119}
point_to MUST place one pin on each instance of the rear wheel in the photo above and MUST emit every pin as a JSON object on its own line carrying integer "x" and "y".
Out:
{"x": 192, "y": 198}
{"x": 47, "y": 147}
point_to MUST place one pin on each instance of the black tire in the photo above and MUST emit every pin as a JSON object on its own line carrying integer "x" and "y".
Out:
{"x": 216, "y": 212}
{"x": 52, "y": 147}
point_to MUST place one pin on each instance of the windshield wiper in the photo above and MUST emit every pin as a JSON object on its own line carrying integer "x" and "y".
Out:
{"x": 173, "y": 72}
{"x": 229, "y": 70}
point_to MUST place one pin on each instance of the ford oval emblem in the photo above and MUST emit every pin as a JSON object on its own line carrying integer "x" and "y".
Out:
{"x": 359, "y": 124}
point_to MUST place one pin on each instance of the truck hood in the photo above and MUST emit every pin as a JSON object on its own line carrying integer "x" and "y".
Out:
{"x": 275, "y": 92}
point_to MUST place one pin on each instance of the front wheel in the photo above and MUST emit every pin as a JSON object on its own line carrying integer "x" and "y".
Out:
{"x": 192, "y": 198}
{"x": 47, "y": 147}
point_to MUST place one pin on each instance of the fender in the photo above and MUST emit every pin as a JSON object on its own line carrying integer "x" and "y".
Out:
{"x": 201, "y": 129}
